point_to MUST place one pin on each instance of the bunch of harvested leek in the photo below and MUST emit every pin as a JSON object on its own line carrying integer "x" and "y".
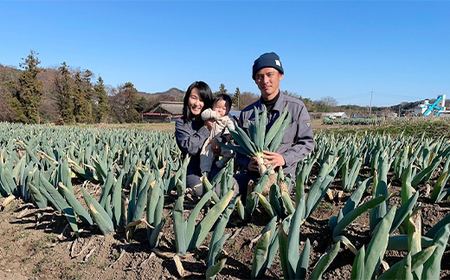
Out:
{"x": 259, "y": 140}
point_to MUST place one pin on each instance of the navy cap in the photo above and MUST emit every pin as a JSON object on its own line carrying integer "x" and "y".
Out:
{"x": 267, "y": 60}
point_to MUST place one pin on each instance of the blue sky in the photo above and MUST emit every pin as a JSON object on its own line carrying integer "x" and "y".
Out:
{"x": 377, "y": 53}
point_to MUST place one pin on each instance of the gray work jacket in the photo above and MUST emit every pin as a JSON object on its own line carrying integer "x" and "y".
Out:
{"x": 190, "y": 136}
{"x": 298, "y": 139}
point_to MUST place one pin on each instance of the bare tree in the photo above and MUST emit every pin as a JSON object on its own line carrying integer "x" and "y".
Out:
{"x": 329, "y": 101}
{"x": 6, "y": 112}
{"x": 124, "y": 103}
{"x": 247, "y": 98}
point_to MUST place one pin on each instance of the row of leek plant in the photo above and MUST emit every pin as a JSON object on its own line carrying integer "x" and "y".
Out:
{"x": 382, "y": 222}
{"x": 122, "y": 152}
{"x": 150, "y": 178}
{"x": 420, "y": 263}
{"x": 353, "y": 121}
{"x": 140, "y": 182}
{"x": 43, "y": 173}
{"x": 429, "y": 159}
{"x": 275, "y": 239}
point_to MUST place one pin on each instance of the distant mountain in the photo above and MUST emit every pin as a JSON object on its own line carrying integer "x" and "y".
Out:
{"x": 173, "y": 92}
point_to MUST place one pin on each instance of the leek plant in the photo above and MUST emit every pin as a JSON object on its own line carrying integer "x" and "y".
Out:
{"x": 350, "y": 171}
{"x": 438, "y": 226}
{"x": 420, "y": 264}
{"x": 438, "y": 192}
{"x": 368, "y": 260}
{"x": 295, "y": 266}
{"x": 424, "y": 175}
{"x": 216, "y": 261}
{"x": 101, "y": 163}
{"x": 432, "y": 267}
{"x": 75, "y": 204}
{"x": 259, "y": 139}
{"x": 154, "y": 212}
{"x": 188, "y": 234}
{"x": 266, "y": 249}
{"x": 138, "y": 198}
{"x": 351, "y": 212}
{"x": 320, "y": 186}
{"x": 304, "y": 169}
{"x": 98, "y": 213}
{"x": 57, "y": 200}
{"x": 222, "y": 181}
{"x": 36, "y": 194}
{"x": 8, "y": 185}
{"x": 380, "y": 188}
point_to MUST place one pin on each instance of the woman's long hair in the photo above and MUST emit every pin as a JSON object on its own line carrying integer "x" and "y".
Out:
{"x": 205, "y": 94}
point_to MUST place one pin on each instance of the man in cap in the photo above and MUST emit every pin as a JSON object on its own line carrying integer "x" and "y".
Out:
{"x": 298, "y": 139}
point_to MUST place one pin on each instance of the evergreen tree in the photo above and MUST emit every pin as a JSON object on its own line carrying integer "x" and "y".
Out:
{"x": 16, "y": 105}
{"x": 100, "y": 104}
{"x": 131, "y": 103}
{"x": 82, "y": 94}
{"x": 236, "y": 99}
{"x": 141, "y": 105}
{"x": 65, "y": 95}
{"x": 27, "y": 91}
{"x": 222, "y": 90}
{"x": 89, "y": 93}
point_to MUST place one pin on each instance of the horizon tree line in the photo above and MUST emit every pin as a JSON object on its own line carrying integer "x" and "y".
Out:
{"x": 65, "y": 95}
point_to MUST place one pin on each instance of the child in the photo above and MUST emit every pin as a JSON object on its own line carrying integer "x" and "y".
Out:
{"x": 219, "y": 132}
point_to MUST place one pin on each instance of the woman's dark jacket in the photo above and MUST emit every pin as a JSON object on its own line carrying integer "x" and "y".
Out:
{"x": 190, "y": 136}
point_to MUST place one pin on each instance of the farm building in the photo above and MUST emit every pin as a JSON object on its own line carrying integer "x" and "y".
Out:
{"x": 167, "y": 111}
{"x": 164, "y": 111}
{"x": 332, "y": 115}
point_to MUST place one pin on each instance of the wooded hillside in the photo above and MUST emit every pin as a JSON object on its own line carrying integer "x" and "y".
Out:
{"x": 69, "y": 95}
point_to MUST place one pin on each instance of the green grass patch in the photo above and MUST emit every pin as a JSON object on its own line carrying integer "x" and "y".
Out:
{"x": 432, "y": 127}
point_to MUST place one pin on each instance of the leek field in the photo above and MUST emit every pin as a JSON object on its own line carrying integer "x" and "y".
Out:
{"x": 80, "y": 202}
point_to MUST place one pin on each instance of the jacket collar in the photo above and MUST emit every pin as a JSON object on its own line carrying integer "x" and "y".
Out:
{"x": 279, "y": 105}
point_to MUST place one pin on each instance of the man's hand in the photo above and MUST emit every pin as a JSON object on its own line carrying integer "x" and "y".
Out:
{"x": 253, "y": 165}
{"x": 273, "y": 158}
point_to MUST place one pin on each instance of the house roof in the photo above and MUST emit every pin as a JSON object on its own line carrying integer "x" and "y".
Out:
{"x": 170, "y": 107}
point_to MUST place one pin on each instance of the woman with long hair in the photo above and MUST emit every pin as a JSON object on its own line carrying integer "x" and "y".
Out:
{"x": 191, "y": 131}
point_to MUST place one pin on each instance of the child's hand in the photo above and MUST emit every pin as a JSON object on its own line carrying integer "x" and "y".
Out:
{"x": 209, "y": 124}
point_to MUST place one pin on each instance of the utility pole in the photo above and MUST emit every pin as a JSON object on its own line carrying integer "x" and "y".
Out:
{"x": 370, "y": 106}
